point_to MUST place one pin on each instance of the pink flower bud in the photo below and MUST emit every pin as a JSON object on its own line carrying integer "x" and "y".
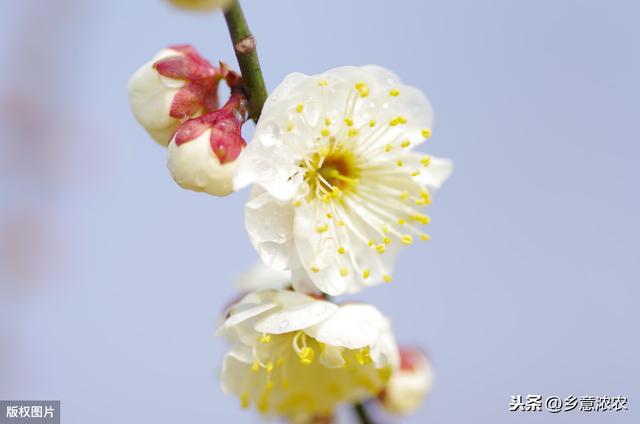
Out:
{"x": 178, "y": 84}
{"x": 408, "y": 384}
{"x": 202, "y": 154}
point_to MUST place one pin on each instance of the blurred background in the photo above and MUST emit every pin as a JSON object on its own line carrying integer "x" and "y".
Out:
{"x": 112, "y": 278}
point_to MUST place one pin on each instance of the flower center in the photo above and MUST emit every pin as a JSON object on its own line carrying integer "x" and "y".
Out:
{"x": 331, "y": 172}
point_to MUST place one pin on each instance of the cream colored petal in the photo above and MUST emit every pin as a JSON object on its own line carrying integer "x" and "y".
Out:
{"x": 331, "y": 356}
{"x": 151, "y": 96}
{"x": 269, "y": 222}
{"x": 259, "y": 276}
{"x": 194, "y": 166}
{"x": 434, "y": 174}
{"x": 384, "y": 351}
{"x": 273, "y": 106}
{"x": 269, "y": 163}
{"x": 318, "y": 253}
{"x": 234, "y": 371}
{"x": 296, "y": 317}
{"x": 352, "y": 326}
{"x": 244, "y": 312}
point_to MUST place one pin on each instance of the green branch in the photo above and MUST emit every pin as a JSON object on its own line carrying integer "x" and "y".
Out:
{"x": 363, "y": 415}
{"x": 244, "y": 45}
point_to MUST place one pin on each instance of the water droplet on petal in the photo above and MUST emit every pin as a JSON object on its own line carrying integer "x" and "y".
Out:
{"x": 284, "y": 324}
{"x": 282, "y": 230}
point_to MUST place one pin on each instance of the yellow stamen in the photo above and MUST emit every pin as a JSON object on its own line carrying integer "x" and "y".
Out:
{"x": 244, "y": 400}
{"x": 266, "y": 338}
{"x": 362, "y": 88}
{"x": 362, "y": 356}
{"x": 394, "y": 92}
{"x": 426, "y": 133}
{"x": 366, "y": 273}
{"x": 306, "y": 355}
{"x": 422, "y": 219}
{"x": 344, "y": 272}
{"x": 387, "y": 278}
{"x": 406, "y": 239}
{"x": 299, "y": 107}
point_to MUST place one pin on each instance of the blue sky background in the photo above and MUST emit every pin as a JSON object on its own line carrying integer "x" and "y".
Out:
{"x": 530, "y": 284}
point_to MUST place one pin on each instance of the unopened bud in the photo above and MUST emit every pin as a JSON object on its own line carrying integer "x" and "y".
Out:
{"x": 202, "y": 155}
{"x": 409, "y": 384}
{"x": 176, "y": 85}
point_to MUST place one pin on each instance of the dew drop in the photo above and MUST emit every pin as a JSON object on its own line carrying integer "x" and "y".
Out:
{"x": 282, "y": 230}
{"x": 284, "y": 324}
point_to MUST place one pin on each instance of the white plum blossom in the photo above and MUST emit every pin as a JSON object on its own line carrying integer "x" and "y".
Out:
{"x": 409, "y": 384}
{"x": 177, "y": 84}
{"x": 338, "y": 185}
{"x": 297, "y": 356}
